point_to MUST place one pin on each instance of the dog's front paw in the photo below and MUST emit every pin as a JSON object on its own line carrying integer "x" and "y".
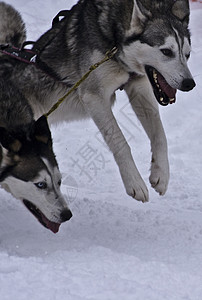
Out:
{"x": 133, "y": 182}
{"x": 159, "y": 178}
{"x": 137, "y": 189}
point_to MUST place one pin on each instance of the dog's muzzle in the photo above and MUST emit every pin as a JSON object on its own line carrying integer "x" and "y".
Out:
{"x": 54, "y": 227}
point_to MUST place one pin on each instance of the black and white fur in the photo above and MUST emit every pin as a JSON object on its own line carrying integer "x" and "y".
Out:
{"x": 153, "y": 44}
{"x": 28, "y": 168}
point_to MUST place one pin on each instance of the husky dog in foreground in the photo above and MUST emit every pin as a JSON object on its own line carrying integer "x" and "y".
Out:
{"x": 28, "y": 168}
{"x": 153, "y": 43}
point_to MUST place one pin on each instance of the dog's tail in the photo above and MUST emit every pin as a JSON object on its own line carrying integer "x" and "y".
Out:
{"x": 12, "y": 27}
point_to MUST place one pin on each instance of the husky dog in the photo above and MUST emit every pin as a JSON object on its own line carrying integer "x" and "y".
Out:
{"x": 28, "y": 168}
{"x": 153, "y": 43}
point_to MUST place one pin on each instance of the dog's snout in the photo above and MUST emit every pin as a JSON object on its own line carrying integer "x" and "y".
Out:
{"x": 187, "y": 85}
{"x": 65, "y": 215}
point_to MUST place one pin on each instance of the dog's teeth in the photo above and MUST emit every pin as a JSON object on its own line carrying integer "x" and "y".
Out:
{"x": 155, "y": 77}
{"x": 161, "y": 99}
{"x": 172, "y": 100}
{"x": 154, "y": 74}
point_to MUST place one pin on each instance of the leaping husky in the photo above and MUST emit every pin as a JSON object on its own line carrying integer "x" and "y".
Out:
{"x": 28, "y": 168}
{"x": 153, "y": 42}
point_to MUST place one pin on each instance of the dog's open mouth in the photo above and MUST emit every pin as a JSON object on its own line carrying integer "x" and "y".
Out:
{"x": 163, "y": 92}
{"x": 54, "y": 227}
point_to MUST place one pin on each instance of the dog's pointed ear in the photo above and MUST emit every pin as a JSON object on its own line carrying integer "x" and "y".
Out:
{"x": 181, "y": 10}
{"x": 8, "y": 141}
{"x": 139, "y": 16}
{"x": 41, "y": 130}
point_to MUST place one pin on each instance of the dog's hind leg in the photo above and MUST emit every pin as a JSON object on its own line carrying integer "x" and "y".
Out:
{"x": 106, "y": 123}
{"x": 145, "y": 106}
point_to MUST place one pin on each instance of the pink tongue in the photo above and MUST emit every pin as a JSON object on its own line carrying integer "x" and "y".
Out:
{"x": 54, "y": 227}
{"x": 166, "y": 88}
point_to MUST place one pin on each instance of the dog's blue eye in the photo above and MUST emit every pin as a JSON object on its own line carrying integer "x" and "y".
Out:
{"x": 167, "y": 52}
{"x": 41, "y": 185}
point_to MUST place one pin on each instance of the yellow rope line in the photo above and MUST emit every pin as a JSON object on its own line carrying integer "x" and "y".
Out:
{"x": 108, "y": 56}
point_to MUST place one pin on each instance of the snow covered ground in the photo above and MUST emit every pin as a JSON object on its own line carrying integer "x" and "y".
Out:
{"x": 113, "y": 248}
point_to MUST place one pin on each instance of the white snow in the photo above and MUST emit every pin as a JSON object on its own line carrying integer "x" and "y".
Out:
{"x": 113, "y": 248}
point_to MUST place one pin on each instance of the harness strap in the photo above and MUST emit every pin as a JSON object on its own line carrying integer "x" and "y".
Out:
{"x": 62, "y": 13}
{"x": 24, "y": 55}
{"x": 30, "y": 57}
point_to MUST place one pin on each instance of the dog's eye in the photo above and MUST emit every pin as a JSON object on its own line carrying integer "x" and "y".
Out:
{"x": 187, "y": 56}
{"x": 60, "y": 182}
{"x": 167, "y": 52}
{"x": 41, "y": 185}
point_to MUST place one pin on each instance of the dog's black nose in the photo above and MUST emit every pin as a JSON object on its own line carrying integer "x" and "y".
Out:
{"x": 65, "y": 215}
{"x": 187, "y": 85}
